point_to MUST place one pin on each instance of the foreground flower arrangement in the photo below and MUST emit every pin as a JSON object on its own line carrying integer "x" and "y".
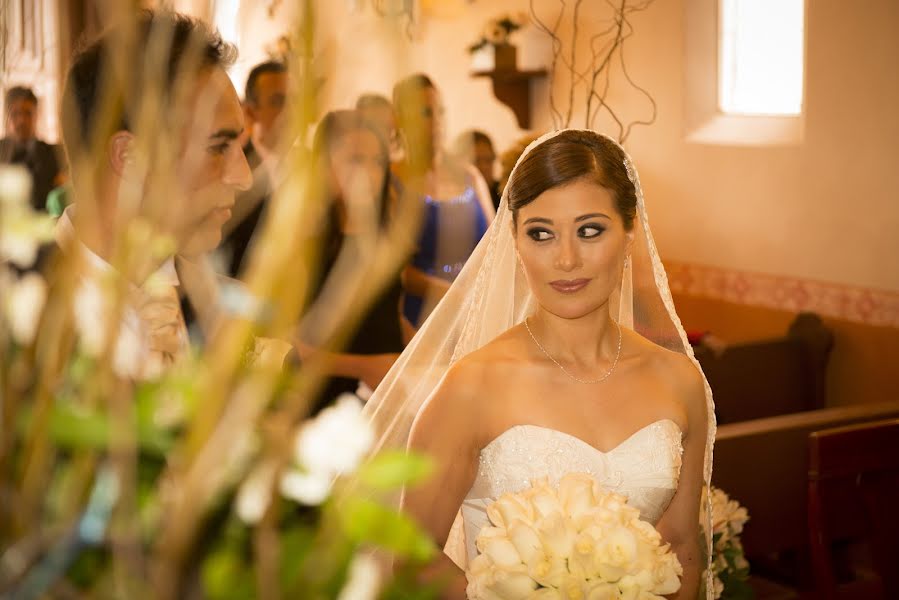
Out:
{"x": 121, "y": 479}
{"x": 730, "y": 567}
{"x": 574, "y": 540}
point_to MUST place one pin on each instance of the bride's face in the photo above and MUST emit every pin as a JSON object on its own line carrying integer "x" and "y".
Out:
{"x": 572, "y": 244}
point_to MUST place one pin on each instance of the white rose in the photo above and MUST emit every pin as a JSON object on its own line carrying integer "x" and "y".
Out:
{"x": 509, "y": 508}
{"x": 544, "y": 499}
{"x": 601, "y": 590}
{"x": 24, "y": 304}
{"x": 576, "y": 494}
{"x": 546, "y": 594}
{"x": 497, "y": 547}
{"x": 615, "y": 551}
{"x": 526, "y": 541}
{"x": 558, "y": 535}
{"x": 513, "y": 584}
{"x": 335, "y": 441}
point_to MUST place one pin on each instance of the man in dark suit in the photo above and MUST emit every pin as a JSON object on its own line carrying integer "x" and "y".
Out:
{"x": 264, "y": 99}
{"x": 21, "y": 145}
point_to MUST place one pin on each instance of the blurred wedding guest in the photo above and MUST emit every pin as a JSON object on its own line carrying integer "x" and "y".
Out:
{"x": 21, "y": 146}
{"x": 351, "y": 157}
{"x": 454, "y": 199}
{"x": 264, "y": 99}
{"x": 186, "y": 196}
{"x": 378, "y": 110}
{"x": 476, "y": 148}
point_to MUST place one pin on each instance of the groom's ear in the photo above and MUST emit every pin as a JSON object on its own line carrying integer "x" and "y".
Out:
{"x": 121, "y": 151}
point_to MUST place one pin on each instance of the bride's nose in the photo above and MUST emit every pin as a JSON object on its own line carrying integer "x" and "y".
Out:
{"x": 568, "y": 258}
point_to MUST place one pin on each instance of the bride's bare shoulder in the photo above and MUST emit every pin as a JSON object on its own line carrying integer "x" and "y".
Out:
{"x": 490, "y": 363}
{"x": 676, "y": 369}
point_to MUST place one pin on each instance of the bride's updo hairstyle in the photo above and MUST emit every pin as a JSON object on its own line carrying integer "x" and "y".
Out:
{"x": 569, "y": 157}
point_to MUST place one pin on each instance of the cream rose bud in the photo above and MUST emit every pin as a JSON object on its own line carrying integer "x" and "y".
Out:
{"x": 336, "y": 441}
{"x": 24, "y": 304}
{"x": 558, "y": 535}
{"x": 526, "y": 541}
{"x": 544, "y": 500}
{"x": 500, "y": 550}
{"x": 546, "y": 594}
{"x": 601, "y": 590}
{"x": 576, "y": 494}
{"x": 513, "y": 583}
{"x": 509, "y": 508}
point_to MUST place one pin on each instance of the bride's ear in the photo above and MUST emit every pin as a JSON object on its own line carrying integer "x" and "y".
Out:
{"x": 629, "y": 242}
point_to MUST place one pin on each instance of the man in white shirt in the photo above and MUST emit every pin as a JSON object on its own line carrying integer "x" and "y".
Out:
{"x": 155, "y": 164}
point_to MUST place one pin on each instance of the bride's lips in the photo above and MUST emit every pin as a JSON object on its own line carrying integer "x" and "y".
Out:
{"x": 569, "y": 286}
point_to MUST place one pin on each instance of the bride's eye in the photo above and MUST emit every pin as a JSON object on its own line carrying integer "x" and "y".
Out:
{"x": 590, "y": 231}
{"x": 539, "y": 235}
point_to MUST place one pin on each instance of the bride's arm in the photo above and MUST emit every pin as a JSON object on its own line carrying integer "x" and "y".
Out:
{"x": 446, "y": 431}
{"x": 680, "y": 523}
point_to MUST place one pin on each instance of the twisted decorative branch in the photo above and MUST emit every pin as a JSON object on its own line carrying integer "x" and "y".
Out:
{"x": 606, "y": 51}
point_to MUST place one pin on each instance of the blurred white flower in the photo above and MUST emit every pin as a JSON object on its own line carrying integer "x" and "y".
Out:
{"x": 336, "y": 440}
{"x": 24, "y": 303}
{"x": 363, "y": 580}
{"x": 306, "y": 488}
{"x": 130, "y": 358}
{"x": 22, "y": 230}
{"x": 15, "y": 186}
{"x": 254, "y": 494}
{"x": 90, "y": 308}
{"x": 330, "y": 445}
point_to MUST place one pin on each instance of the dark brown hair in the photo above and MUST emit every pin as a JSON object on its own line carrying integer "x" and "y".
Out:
{"x": 190, "y": 44}
{"x": 574, "y": 156}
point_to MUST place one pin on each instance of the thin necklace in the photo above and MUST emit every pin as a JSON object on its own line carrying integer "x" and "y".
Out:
{"x": 564, "y": 370}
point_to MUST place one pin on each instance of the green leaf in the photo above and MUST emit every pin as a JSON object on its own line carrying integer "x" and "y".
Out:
{"x": 296, "y": 544}
{"x": 367, "y": 522}
{"x": 226, "y": 575}
{"x": 394, "y": 469}
{"x": 78, "y": 428}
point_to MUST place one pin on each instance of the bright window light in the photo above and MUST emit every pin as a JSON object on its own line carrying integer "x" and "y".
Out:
{"x": 761, "y": 57}
{"x": 225, "y": 19}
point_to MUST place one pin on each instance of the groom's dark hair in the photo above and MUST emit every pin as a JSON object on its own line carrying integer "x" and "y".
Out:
{"x": 569, "y": 157}
{"x": 139, "y": 60}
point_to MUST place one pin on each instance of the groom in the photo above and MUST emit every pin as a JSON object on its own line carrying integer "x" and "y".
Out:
{"x": 153, "y": 144}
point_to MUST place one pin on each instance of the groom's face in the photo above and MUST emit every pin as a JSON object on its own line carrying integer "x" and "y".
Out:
{"x": 210, "y": 167}
{"x": 572, "y": 243}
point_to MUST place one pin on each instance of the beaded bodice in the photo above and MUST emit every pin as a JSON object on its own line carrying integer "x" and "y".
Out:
{"x": 645, "y": 468}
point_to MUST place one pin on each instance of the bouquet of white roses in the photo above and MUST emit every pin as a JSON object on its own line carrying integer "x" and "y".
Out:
{"x": 575, "y": 540}
{"x": 729, "y": 566}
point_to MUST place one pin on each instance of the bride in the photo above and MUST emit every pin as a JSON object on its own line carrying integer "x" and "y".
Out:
{"x": 556, "y": 351}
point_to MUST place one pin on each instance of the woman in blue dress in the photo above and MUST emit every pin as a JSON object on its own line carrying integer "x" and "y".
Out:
{"x": 455, "y": 200}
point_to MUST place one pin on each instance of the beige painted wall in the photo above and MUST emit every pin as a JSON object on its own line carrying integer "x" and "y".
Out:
{"x": 827, "y": 208}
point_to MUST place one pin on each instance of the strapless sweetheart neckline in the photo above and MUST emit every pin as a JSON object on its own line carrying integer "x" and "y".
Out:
{"x": 580, "y": 441}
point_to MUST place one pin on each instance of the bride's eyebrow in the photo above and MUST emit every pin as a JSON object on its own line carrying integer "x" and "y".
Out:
{"x": 591, "y": 216}
{"x": 539, "y": 220}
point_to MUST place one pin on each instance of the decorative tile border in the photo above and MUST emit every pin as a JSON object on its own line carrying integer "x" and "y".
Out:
{"x": 861, "y": 305}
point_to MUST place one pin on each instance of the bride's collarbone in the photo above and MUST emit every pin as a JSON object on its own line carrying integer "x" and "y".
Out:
{"x": 602, "y": 415}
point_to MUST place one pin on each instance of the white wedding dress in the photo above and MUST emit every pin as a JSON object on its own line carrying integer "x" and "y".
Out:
{"x": 645, "y": 468}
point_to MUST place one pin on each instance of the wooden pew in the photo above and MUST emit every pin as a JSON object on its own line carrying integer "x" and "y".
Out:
{"x": 764, "y": 465}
